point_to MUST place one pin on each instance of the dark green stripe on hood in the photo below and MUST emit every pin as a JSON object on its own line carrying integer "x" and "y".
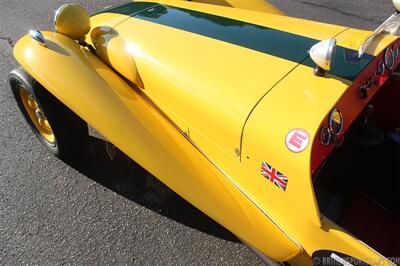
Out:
{"x": 266, "y": 40}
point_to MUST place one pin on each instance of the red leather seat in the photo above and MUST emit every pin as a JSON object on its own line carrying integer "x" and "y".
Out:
{"x": 372, "y": 224}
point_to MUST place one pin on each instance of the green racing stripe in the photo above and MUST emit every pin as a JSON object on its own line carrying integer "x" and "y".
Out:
{"x": 266, "y": 40}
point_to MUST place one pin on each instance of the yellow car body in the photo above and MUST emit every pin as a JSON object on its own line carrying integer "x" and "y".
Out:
{"x": 202, "y": 93}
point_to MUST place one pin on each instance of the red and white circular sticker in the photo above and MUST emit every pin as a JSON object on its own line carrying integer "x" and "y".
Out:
{"x": 297, "y": 140}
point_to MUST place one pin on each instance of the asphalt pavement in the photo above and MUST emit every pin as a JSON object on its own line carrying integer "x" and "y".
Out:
{"x": 110, "y": 211}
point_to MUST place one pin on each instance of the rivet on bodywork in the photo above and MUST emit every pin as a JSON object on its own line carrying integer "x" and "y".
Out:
{"x": 237, "y": 152}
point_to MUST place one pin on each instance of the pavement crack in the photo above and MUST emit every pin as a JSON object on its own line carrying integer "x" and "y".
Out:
{"x": 339, "y": 11}
{"x": 8, "y": 40}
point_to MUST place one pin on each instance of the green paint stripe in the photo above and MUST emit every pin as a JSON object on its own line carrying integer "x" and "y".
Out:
{"x": 270, "y": 41}
{"x": 127, "y": 9}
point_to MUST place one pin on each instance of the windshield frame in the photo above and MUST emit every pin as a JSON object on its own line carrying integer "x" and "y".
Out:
{"x": 390, "y": 26}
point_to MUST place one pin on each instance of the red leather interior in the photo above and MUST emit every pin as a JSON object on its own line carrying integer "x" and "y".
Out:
{"x": 386, "y": 105}
{"x": 372, "y": 224}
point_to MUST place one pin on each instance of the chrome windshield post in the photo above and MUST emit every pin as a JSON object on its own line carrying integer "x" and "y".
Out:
{"x": 390, "y": 26}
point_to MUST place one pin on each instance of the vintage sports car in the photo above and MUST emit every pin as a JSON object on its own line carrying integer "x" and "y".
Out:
{"x": 283, "y": 130}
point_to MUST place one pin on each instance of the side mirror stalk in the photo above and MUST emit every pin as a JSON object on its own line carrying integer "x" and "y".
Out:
{"x": 319, "y": 71}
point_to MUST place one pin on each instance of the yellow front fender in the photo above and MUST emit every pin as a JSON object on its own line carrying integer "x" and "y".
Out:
{"x": 101, "y": 97}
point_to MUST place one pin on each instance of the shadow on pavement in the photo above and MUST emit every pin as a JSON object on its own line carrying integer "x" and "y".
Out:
{"x": 125, "y": 177}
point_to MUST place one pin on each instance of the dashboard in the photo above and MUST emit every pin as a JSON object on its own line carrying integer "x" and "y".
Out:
{"x": 353, "y": 102}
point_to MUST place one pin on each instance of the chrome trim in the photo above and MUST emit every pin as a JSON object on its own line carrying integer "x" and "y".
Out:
{"x": 395, "y": 50}
{"x": 386, "y": 27}
{"x": 396, "y": 4}
{"x": 381, "y": 68}
{"x": 147, "y": 99}
{"x": 389, "y": 50}
{"x": 38, "y": 37}
{"x": 56, "y": 14}
{"x": 330, "y": 120}
{"x": 325, "y": 132}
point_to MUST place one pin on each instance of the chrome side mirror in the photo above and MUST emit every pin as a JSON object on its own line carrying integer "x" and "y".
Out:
{"x": 322, "y": 54}
{"x": 396, "y": 4}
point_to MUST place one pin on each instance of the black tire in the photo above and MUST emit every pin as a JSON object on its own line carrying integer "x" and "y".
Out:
{"x": 70, "y": 132}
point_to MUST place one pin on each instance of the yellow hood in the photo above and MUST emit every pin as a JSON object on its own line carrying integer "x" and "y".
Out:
{"x": 206, "y": 66}
{"x": 235, "y": 81}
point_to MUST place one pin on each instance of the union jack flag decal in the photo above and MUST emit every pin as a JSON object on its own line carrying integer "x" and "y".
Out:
{"x": 273, "y": 175}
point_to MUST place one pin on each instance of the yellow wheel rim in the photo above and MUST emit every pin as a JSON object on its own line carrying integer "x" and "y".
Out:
{"x": 36, "y": 115}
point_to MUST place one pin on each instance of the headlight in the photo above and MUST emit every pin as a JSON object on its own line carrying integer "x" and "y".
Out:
{"x": 73, "y": 21}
